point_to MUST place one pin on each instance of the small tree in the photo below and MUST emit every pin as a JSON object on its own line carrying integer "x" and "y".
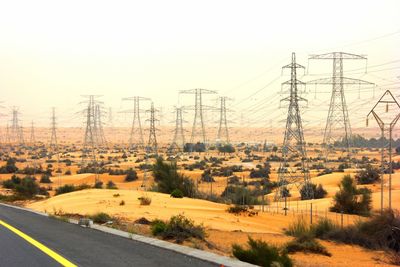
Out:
{"x": 168, "y": 178}
{"x": 369, "y": 175}
{"x": 351, "y": 200}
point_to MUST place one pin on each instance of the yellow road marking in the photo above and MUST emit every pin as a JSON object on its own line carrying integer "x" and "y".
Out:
{"x": 40, "y": 246}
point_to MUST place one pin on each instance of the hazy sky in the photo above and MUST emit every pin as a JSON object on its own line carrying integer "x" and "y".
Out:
{"x": 51, "y": 52}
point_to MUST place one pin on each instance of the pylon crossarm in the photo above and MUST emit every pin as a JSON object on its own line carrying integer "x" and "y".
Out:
{"x": 334, "y": 55}
{"x": 343, "y": 80}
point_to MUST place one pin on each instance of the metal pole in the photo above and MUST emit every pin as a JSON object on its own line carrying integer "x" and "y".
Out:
{"x": 390, "y": 167}
{"x": 285, "y": 205}
{"x": 382, "y": 165}
{"x": 341, "y": 219}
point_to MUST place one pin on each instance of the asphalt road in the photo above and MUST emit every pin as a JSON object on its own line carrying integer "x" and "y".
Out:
{"x": 81, "y": 246}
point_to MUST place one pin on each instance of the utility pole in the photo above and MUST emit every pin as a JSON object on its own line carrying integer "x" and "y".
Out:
{"x": 178, "y": 141}
{"x": 338, "y": 123}
{"x": 198, "y": 129}
{"x": 294, "y": 145}
{"x": 136, "y": 137}
{"x": 386, "y": 122}
{"x": 152, "y": 143}
{"x": 223, "y": 132}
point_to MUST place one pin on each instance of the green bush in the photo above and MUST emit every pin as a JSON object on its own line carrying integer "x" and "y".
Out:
{"x": 369, "y": 175}
{"x": 323, "y": 227}
{"x": 262, "y": 254}
{"x": 298, "y": 228}
{"x": 241, "y": 195}
{"x": 131, "y": 175}
{"x": 101, "y": 217}
{"x": 65, "y": 189}
{"x": 381, "y": 231}
{"x": 238, "y": 209}
{"x": 45, "y": 178}
{"x": 179, "y": 228}
{"x": 12, "y": 182}
{"x": 10, "y": 166}
{"x": 98, "y": 185}
{"x": 28, "y": 187}
{"x": 177, "y": 193}
{"x": 158, "y": 227}
{"x": 307, "y": 244}
{"x": 312, "y": 191}
{"x": 111, "y": 185}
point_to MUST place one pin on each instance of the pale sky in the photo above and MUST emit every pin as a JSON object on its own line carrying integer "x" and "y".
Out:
{"x": 51, "y": 52}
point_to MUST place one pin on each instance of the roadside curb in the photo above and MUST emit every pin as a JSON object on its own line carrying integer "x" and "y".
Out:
{"x": 191, "y": 252}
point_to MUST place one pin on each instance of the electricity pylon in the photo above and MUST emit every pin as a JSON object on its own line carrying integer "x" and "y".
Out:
{"x": 386, "y": 122}
{"x": 152, "y": 143}
{"x": 53, "y": 139}
{"x": 8, "y": 139}
{"x": 90, "y": 143}
{"x": 32, "y": 138}
{"x": 136, "y": 137}
{"x": 16, "y": 132}
{"x": 178, "y": 141}
{"x": 198, "y": 129}
{"x": 294, "y": 146}
{"x": 223, "y": 131}
{"x": 101, "y": 139}
{"x": 338, "y": 123}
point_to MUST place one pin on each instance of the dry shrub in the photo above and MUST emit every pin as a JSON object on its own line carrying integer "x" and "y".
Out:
{"x": 145, "y": 200}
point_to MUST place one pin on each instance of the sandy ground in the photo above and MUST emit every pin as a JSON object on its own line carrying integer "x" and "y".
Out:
{"x": 224, "y": 229}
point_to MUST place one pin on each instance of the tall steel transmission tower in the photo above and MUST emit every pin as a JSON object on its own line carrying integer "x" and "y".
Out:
{"x": 136, "y": 136}
{"x": 32, "y": 139}
{"x": 152, "y": 145}
{"x": 198, "y": 129}
{"x": 386, "y": 121}
{"x": 53, "y": 139}
{"x": 338, "y": 123}
{"x": 101, "y": 139}
{"x": 16, "y": 132}
{"x": 294, "y": 146}
{"x": 223, "y": 132}
{"x": 90, "y": 143}
{"x": 178, "y": 141}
